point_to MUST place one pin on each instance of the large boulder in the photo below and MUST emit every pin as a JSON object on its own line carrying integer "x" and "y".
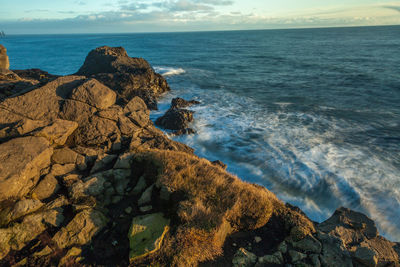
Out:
{"x": 94, "y": 94}
{"x": 4, "y": 62}
{"x": 146, "y": 234}
{"x": 175, "y": 119}
{"x": 130, "y": 77}
{"x": 22, "y": 159}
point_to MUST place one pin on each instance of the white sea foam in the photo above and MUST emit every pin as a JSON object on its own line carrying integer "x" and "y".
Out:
{"x": 303, "y": 157}
{"x": 169, "y": 71}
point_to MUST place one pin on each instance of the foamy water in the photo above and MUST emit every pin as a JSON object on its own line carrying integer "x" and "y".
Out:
{"x": 302, "y": 157}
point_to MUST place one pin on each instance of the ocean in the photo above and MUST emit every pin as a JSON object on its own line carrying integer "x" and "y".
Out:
{"x": 311, "y": 114}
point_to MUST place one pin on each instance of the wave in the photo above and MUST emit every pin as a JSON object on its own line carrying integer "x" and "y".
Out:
{"x": 169, "y": 71}
{"x": 306, "y": 158}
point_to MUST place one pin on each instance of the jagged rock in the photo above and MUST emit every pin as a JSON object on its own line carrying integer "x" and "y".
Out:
{"x": 146, "y": 234}
{"x": 182, "y": 103}
{"x": 366, "y": 256}
{"x": 58, "y": 131}
{"x": 356, "y": 230}
{"x": 46, "y": 188}
{"x": 137, "y": 111}
{"x": 130, "y": 77}
{"x": 42, "y": 103}
{"x": 175, "y": 119}
{"x": 80, "y": 231}
{"x": 22, "y": 159}
{"x": 308, "y": 244}
{"x": 333, "y": 251}
{"x": 17, "y": 236}
{"x": 24, "y": 207}
{"x": 4, "y": 61}
{"x": 94, "y": 94}
{"x": 244, "y": 258}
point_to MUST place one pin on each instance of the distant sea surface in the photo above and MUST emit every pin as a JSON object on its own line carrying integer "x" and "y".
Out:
{"x": 311, "y": 114}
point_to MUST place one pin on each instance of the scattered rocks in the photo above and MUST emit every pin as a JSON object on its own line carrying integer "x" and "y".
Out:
{"x": 182, "y": 103}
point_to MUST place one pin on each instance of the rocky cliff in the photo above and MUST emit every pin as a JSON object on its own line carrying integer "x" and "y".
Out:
{"x": 86, "y": 179}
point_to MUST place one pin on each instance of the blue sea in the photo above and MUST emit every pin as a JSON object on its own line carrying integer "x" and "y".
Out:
{"x": 311, "y": 114}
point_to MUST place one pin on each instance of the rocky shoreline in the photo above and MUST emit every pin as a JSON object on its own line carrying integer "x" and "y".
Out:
{"x": 86, "y": 179}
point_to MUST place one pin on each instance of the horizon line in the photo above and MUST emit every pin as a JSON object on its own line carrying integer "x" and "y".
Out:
{"x": 199, "y": 31}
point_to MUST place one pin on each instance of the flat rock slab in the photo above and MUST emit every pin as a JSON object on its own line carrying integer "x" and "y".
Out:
{"x": 146, "y": 234}
{"x": 21, "y": 161}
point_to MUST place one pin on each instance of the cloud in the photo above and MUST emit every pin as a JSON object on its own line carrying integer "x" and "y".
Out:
{"x": 395, "y": 8}
{"x": 81, "y": 3}
{"x": 36, "y": 10}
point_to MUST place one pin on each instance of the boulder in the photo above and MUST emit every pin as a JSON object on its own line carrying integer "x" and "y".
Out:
{"x": 308, "y": 244}
{"x": 146, "y": 234}
{"x": 275, "y": 258}
{"x": 175, "y": 119}
{"x": 22, "y": 159}
{"x": 80, "y": 231}
{"x": 94, "y": 94}
{"x": 64, "y": 156}
{"x": 296, "y": 256}
{"x": 129, "y": 77}
{"x": 366, "y": 256}
{"x": 137, "y": 111}
{"x": 44, "y": 102}
{"x": 46, "y": 187}
{"x": 182, "y": 103}
{"x": 58, "y": 131}
{"x": 24, "y": 207}
{"x": 333, "y": 251}
{"x": 4, "y": 62}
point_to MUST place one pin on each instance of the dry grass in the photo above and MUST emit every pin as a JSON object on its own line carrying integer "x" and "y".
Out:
{"x": 214, "y": 204}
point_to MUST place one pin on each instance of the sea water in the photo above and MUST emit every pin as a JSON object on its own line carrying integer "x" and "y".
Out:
{"x": 311, "y": 114}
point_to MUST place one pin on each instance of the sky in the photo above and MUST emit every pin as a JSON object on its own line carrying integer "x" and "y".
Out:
{"x": 119, "y": 16}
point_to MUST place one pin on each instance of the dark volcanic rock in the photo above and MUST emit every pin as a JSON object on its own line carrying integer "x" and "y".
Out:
{"x": 182, "y": 103}
{"x": 175, "y": 119}
{"x": 130, "y": 77}
{"x": 4, "y": 62}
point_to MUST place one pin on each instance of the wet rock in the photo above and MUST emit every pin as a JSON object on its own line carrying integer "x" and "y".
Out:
{"x": 182, "y": 103}
{"x": 366, "y": 256}
{"x": 244, "y": 258}
{"x": 46, "y": 187}
{"x": 146, "y": 234}
{"x": 184, "y": 131}
{"x": 22, "y": 159}
{"x": 175, "y": 119}
{"x": 80, "y": 231}
{"x": 94, "y": 94}
{"x": 4, "y": 61}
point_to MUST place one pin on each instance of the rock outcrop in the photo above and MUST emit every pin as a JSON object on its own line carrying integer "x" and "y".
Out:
{"x": 87, "y": 180}
{"x": 129, "y": 77}
{"x": 4, "y": 61}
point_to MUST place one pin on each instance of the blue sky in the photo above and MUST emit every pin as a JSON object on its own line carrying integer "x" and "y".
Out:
{"x": 97, "y": 16}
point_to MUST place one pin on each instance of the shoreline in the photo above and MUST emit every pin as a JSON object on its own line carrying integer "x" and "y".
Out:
{"x": 92, "y": 168}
